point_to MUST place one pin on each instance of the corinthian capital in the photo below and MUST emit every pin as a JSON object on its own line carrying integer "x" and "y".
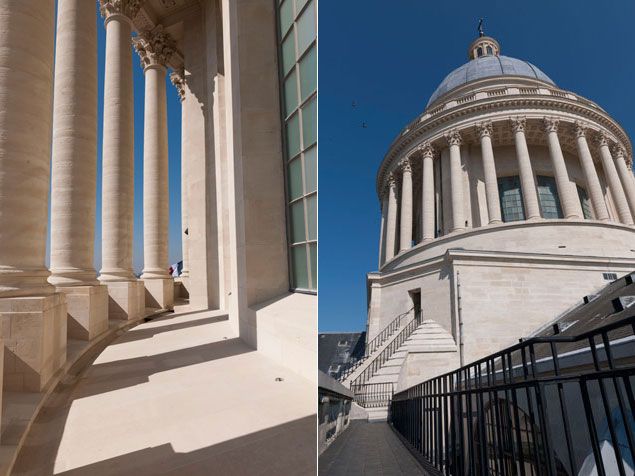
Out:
{"x": 427, "y": 150}
{"x": 602, "y": 139}
{"x": 154, "y": 47}
{"x": 484, "y": 129}
{"x": 177, "y": 78}
{"x": 618, "y": 151}
{"x": 519, "y": 123}
{"x": 580, "y": 129}
{"x": 454, "y": 137}
{"x": 129, "y": 8}
{"x": 405, "y": 165}
{"x": 392, "y": 180}
{"x": 550, "y": 124}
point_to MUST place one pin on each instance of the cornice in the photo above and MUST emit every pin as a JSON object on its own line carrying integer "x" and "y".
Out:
{"x": 434, "y": 127}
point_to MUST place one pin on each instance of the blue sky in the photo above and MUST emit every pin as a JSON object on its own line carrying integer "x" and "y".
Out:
{"x": 388, "y": 57}
{"x": 174, "y": 144}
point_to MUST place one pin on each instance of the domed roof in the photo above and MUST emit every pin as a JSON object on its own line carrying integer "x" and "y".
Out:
{"x": 485, "y": 67}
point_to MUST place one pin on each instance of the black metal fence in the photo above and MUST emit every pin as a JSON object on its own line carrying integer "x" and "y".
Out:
{"x": 555, "y": 405}
{"x": 372, "y": 395}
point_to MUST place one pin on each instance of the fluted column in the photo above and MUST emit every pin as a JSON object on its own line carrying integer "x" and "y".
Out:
{"x": 26, "y": 79}
{"x": 613, "y": 180}
{"x": 382, "y": 236}
{"x": 155, "y": 48}
{"x": 594, "y": 188}
{"x": 569, "y": 199}
{"x": 456, "y": 180}
{"x": 118, "y": 143}
{"x": 626, "y": 176}
{"x": 405, "y": 235}
{"x": 391, "y": 221}
{"x": 178, "y": 80}
{"x": 527, "y": 182}
{"x": 74, "y": 163}
{"x": 427, "y": 192}
{"x": 489, "y": 171}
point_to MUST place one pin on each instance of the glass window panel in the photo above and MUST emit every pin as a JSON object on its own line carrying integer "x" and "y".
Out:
{"x": 295, "y": 179}
{"x": 299, "y": 267}
{"x": 290, "y": 94}
{"x": 297, "y": 222}
{"x": 311, "y": 218}
{"x": 286, "y": 16}
{"x": 306, "y": 28}
{"x": 309, "y": 123}
{"x": 288, "y": 54}
{"x": 548, "y": 197}
{"x": 313, "y": 263}
{"x": 299, "y": 4}
{"x": 308, "y": 74}
{"x": 511, "y": 199}
{"x": 310, "y": 169}
{"x": 586, "y": 203}
{"x": 293, "y": 136}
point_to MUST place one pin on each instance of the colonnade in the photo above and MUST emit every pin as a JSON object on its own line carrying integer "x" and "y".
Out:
{"x": 48, "y": 130}
{"x": 397, "y": 194}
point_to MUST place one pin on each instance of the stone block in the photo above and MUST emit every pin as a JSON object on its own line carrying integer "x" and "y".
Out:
{"x": 87, "y": 308}
{"x": 159, "y": 293}
{"x": 125, "y": 300}
{"x": 34, "y": 334}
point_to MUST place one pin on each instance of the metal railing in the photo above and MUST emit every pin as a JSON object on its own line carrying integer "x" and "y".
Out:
{"x": 377, "y": 342}
{"x": 388, "y": 351}
{"x": 373, "y": 395}
{"x": 554, "y": 405}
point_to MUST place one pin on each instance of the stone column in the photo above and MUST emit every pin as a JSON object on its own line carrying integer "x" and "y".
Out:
{"x": 125, "y": 291}
{"x": 155, "y": 49}
{"x": 594, "y": 189}
{"x": 626, "y": 176}
{"x": 484, "y": 130}
{"x": 456, "y": 180}
{"x": 382, "y": 236}
{"x": 427, "y": 193}
{"x": 405, "y": 234}
{"x": 613, "y": 180}
{"x": 74, "y": 171}
{"x": 32, "y": 314}
{"x": 178, "y": 80}
{"x": 391, "y": 221}
{"x": 527, "y": 183}
{"x": 567, "y": 192}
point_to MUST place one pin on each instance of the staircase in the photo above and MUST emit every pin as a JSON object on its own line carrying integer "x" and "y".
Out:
{"x": 375, "y": 378}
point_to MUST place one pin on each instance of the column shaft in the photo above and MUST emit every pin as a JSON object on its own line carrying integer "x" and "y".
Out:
{"x": 118, "y": 153}
{"x": 391, "y": 222}
{"x": 567, "y": 192}
{"x": 594, "y": 189}
{"x": 27, "y": 32}
{"x": 185, "y": 234}
{"x": 527, "y": 183}
{"x": 155, "y": 175}
{"x": 456, "y": 181}
{"x": 489, "y": 172}
{"x": 626, "y": 177}
{"x": 405, "y": 235}
{"x": 74, "y": 162}
{"x": 615, "y": 186}
{"x": 382, "y": 236}
{"x": 427, "y": 209}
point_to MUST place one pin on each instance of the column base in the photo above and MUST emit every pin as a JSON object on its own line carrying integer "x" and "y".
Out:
{"x": 34, "y": 333}
{"x": 159, "y": 293}
{"x": 125, "y": 300}
{"x": 87, "y": 308}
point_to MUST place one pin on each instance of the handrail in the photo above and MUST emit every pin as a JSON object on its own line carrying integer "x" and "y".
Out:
{"x": 392, "y": 327}
{"x": 388, "y": 351}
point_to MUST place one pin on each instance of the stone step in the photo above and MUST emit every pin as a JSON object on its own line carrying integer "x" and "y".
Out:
{"x": 377, "y": 414}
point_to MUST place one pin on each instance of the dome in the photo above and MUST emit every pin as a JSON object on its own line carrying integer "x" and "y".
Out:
{"x": 486, "y": 67}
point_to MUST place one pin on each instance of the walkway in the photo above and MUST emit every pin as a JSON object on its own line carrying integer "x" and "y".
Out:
{"x": 368, "y": 449}
{"x": 176, "y": 395}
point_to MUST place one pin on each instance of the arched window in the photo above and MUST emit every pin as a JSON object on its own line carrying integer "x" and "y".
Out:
{"x": 585, "y": 202}
{"x": 511, "y": 199}
{"x": 548, "y": 197}
{"x": 479, "y": 51}
{"x": 489, "y": 50}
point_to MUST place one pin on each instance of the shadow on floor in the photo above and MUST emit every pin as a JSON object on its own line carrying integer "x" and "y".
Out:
{"x": 287, "y": 449}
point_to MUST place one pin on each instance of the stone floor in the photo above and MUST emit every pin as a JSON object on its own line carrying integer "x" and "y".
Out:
{"x": 176, "y": 395}
{"x": 368, "y": 449}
